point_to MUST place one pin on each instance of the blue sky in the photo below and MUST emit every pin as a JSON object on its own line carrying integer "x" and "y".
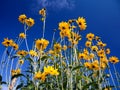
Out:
{"x": 102, "y": 16}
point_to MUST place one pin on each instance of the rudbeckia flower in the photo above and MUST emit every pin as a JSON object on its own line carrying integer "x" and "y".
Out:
{"x": 30, "y": 22}
{"x": 42, "y": 12}
{"x": 64, "y": 26}
{"x": 114, "y": 59}
{"x": 22, "y": 53}
{"x": 7, "y": 42}
{"x": 22, "y": 35}
{"x": 33, "y": 53}
{"x": 41, "y": 44}
{"x": 81, "y": 23}
{"x": 22, "y": 18}
{"x": 57, "y": 47}
{"x": 90, "y": 36}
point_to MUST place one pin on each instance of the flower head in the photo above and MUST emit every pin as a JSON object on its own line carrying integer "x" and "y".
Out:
{"x": 114, "y": 59}
{"x": 15, "y": 46}
{"x": 7, "y": 42}
{"x": 22, "y": 53}
{"x": 22, "y": 35}
{"x": 88, "y": 43}
{"x": 42, "y": 12}
{"x": 21, "y": 62}
{"x": 81, "y": 23}
{"x": 94, "y": 48}
{"x": 57, "y": 47}
{"x": 41, "y": 44}
{"x": 33, "y": 53}
{"x": 90, "y": 36}
{"x": 88, "y": 65}
{"x": 64, "y": 26}
{"x": 22, "y": 18}
{"x": 30, "y": 22}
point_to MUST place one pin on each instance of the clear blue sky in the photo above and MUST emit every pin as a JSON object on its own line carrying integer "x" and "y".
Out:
{"x": 102, "y": 16}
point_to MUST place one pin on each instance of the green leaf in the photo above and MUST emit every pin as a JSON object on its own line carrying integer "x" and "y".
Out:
{"x": 93, "y": 84}
{"x": 45, "y": 58}
{"x": 3, "y": 82}
{"x": 77, "y": 67}
{"x": 16, "y": 76}
{"x": 29, "y": 59}
{"x": 31, "y": 87}
{"x": 19, "y": 86}
{"x": 0, "y": 78}
{"x": 13, "y": 57}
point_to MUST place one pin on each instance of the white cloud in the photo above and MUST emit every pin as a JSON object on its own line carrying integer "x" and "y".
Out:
{"x": 57, "y": 4}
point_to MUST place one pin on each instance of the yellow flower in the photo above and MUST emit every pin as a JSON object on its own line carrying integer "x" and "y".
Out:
{"x": 81, "y": 23}
{"x": 64, "y": 47}
{"x": 88, "y": 65}
{"x": 15, "y": 46}
{"x": 75, "y": 36}
{"x": 90, "y": 36}
{"x": 88, "y": 43}
{"x": 43, "y": 76}
{"x": 41, "y": 44}
{"x": 95, "y": 65}
{"x": 81, "y": 56}
{"x": 50, "y": 70}
{"x": 21, "y": 62}
{"x": 33, "y": 53}
{"x": 71, "y": 21}
{"x": 64, "y": 26}
{"x": 13, "y": 72}
{"x": 42, "y": 12}
{"x": 65, "y": 33}
{"x": 7, "y": 42}
{"x": 22, "y": 18}
{"x": 29, "y": 22}
{"x": 37, "y": 75}
{"x": 104, "y": 60}
{"x": 91, "y": 55}
{"x": 100, "y": 52}
{"x": 22, "y": 53}
{"x": 57, "y": 47}
{"x": 101, "y": 44}
{"x": 51, "y": 52}
{"x": 103, "y": 65}
{"x": 107, "y": 51}
{"x": 114, "y": 59}
{"x": 22, "y": 35}
{"x": 85, "y": 51}
{"x": 94, "y": 48}
{"x": 54, "y": 72}
{"x": 72, "y": 27}
{"x": 97, "y": 38}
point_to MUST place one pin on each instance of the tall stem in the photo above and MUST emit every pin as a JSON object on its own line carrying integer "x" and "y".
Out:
{"x": 44, "y": 26}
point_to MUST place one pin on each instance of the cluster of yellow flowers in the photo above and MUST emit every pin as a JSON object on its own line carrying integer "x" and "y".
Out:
{"x": 65, "y": 57}
{"x": 97, "y": 50}
{"x": 24, "y": 20}
{"x": 9, "y": 42}
{"x": 47, "y": 71}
